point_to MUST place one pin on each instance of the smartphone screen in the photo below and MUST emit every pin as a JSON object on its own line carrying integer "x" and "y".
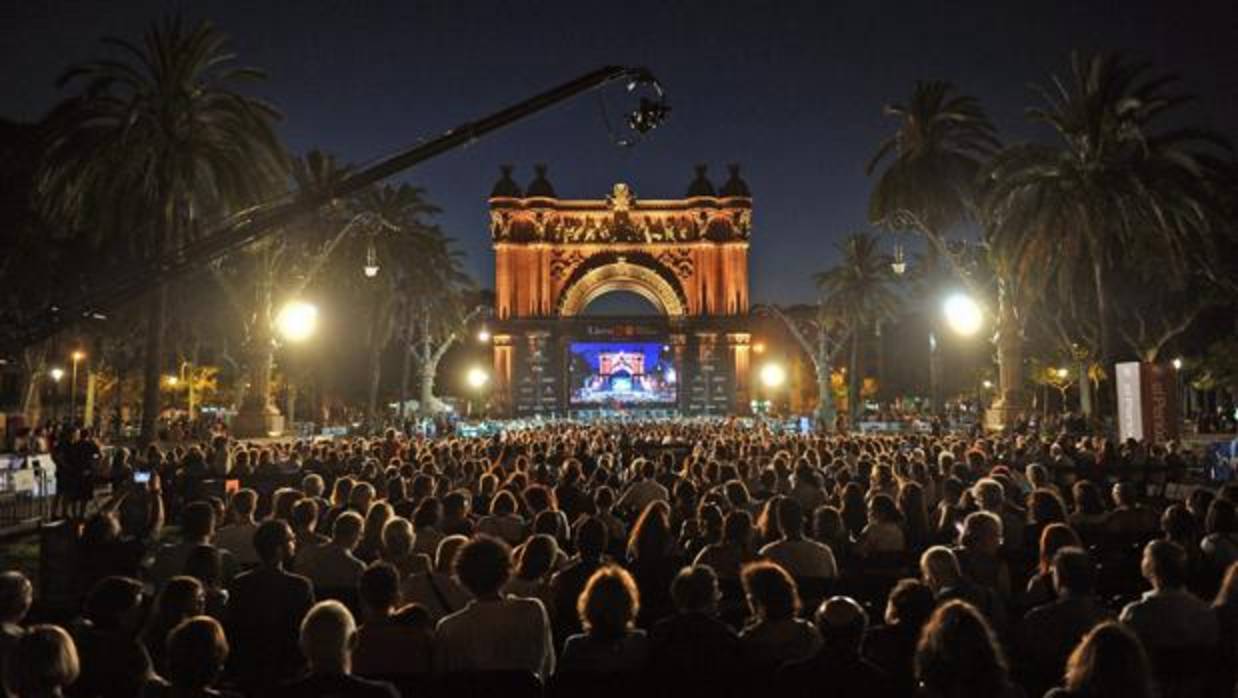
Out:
{"x": 141, "y": 477}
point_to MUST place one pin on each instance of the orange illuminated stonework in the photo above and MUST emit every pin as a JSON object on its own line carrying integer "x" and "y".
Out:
{"x": 554, "y": 256}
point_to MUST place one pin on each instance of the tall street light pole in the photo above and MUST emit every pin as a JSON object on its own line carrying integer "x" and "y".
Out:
{"x": 77, "y": 356}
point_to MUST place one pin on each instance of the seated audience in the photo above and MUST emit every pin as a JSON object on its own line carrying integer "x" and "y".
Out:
{"x": 114, "y": 662}
{"x": 610, "y": 643}
{"x": 265, "y": 610}
{"x": 390, "y": 641}
{"x": 774, "y": 634}
{"x": 1108, "y": 662}
{"x": 332, "y": 567}
{"x": 238, "y": 537}
{"x": 568, "y": 583}
{"x": 837, "y": 668}
{"x": 438, "y": 592}
{"x": 1050, "y": 631}
{"x": 16, "y": 596}
{"x": 195, "y": 656}
{"x": 327, "y": 637}
{"x": 181, "y": 598}
{"x": 493, "y": 632}
{"x": 43, "y": 664}
{"x": 693, "y": 641}
{"x": 892, "y": 647}
{"x": 958, "y": 656}
{"x": 800, "y": 557}
{"x": 1169, "y": 616}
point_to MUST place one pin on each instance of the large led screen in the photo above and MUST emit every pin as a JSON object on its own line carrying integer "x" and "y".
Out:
{"x": 622, "y": 373}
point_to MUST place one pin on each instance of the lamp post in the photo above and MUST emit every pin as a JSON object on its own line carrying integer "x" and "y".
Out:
{"x": 76, "y": 356}
{"x": 772, "y": 376}
{"x": 297, "y": 321}
{"x": 477, "y": 379}
{"x": 965, "y": 318}
{"x": 56, "y": 374}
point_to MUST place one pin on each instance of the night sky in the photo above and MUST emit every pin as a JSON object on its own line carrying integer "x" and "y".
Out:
{"x": 791, "y": 90}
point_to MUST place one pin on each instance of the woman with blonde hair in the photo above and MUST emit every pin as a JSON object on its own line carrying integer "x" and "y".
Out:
{"x": 610, "y": 643}
{"x": 1108, "y": 661}
{"x": 41, "y": 664}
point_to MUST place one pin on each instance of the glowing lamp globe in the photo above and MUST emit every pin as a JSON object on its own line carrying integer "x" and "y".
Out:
{"x": 963, "y": 315}
{"x": 773, "y": 375}
{"x": 477, "y": 377}
{"x": 297, "y": 321}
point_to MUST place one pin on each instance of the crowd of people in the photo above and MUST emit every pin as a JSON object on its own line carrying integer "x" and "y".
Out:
{"x": 709, "y": 556}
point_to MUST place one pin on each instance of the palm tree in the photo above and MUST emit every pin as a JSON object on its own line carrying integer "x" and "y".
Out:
{"x": 397, "y": 245}
{"x": 155, "y": 142}
{"x": 1115, "y": 188}
{"x": 860, "y": 289}
{"x": 929, "y": 185}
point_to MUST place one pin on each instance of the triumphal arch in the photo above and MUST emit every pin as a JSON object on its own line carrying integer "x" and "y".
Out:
{"x": 688, "y": 257}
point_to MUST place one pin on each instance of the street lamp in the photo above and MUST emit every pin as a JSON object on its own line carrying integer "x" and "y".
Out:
{"x": 483, "y": 335}
{"x": 297, "y": 321}
{"x": 173, "y": 381}
{"x": 56, "y": 374}
{"x": 77, "y": 356}
{"x": 988, "y": 384}
{"x": 1062, "y": 373}
{"x": 371, "y": 260}
{"x": 758, "y": 348}
{"x": 773, "y": 375}
{"x": 963, "y": 314}
{"x": 1177, "y": 364}
{"x": 477, "y": 377}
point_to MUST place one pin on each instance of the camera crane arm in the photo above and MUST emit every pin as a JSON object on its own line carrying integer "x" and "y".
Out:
{"x": 253, "y": 224}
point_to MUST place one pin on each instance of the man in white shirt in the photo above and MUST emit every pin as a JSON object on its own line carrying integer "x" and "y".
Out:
{"x": 493, "y": 633}
{"x": 238, "y": 538}
{"x": 332, "y": 564}
{"x": 645, "y": 490}
{"x": 1169, "y": 616}
{"x": 801, "y": 558}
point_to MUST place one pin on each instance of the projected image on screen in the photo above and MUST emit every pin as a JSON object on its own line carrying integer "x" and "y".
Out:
{"x": 622, "y": 373}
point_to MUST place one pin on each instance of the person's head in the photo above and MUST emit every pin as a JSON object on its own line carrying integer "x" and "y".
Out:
{"x": 328, "y": 634}
{"x": 695, "y": 589}
{"x": 591, "y": 538}
{"x": 379, "y": 589}
{"x": 398, "y": 539}
{"x": 609, "y": 603}
{"x": 312, "y": 485}
{"x": 982, "y": 532}
{"x": 958, "y": 655}
{"x": 1124, "y": 494}
{"x": 182, "y": 597}
{"x": 537, "y": 557}
{"x": 16, "y": 595}
{"x": 841, "y": 622}
{"x": 205, "y": 564}
{"x": 274, "y": 542}
{"x": 1108, "y": 661}
{"x": 1073, "y": 572}
{"x": 305, "y": 515}
{"x": 737, "y": 529}
{"x": 196, "y": 653}
{"x": 445, "y": 553}
{"x": 790, "y": 518}
{"x": 361, "y": 497}
{"x": 101, "y": 528}
{"x": 484, "y": 565}
{"x": 910, "y": 604}
{"x": 243, "y": 503}
{"x": 882, "y": 509}
{"x": 198, "y": 521}
{"x": 772, "y": 593}
{"x": 1164, "y": 565}
{"x": 1177, "y": 523}
{"x": 503, "y": 504}
{"x": 427, "y": 514}
{"x": 114, "y": 603}
{"x": 42, "y": 662}
{"x": 940, "y": 568}
{"x": 1053, "y": 538}
{"x": 346, "y": 531}
{"x": 989, "y": 494}
{"x": 1046, "y": 507}
{"x": 651, "y": 536}
{"x": 1221, "y": 519}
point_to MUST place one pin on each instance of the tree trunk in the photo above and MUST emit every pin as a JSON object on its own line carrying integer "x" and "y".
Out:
{"x": 853, "y": 380}
{"x": 152, "y": 363}
{"x": 1085, "y": 390}
{"x": 429, "y": 403}
{"x": 1102, "y": 313}
{"x": 934, "y": 375}
{"x": 826, "y": 414}
{"x": 376, "y": 374}
{"x": 1011, "y": 400}
{"x": 406, "y": 370}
